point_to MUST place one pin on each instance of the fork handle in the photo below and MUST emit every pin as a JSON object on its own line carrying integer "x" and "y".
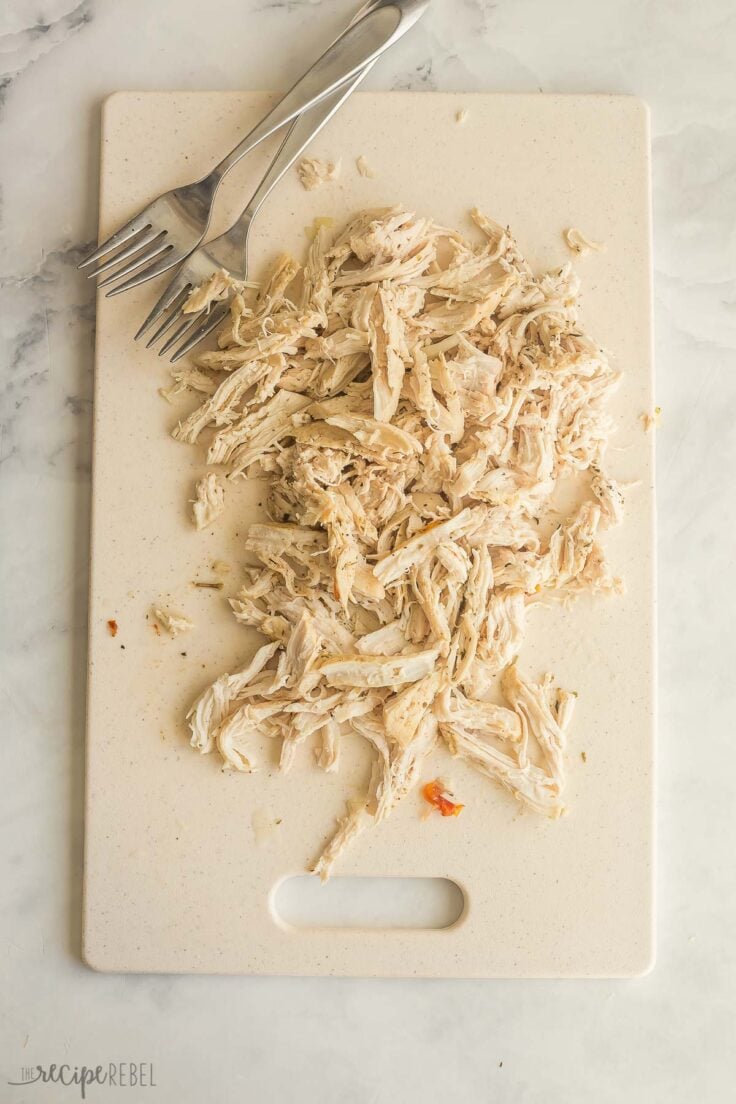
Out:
{"x": 301, "y": 132}
{"x": 360, "y": 45}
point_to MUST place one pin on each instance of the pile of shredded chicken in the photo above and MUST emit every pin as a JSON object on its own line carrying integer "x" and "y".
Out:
{"x": 412, "y": 401}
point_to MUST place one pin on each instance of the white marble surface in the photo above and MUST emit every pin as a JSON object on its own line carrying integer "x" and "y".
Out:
{"x": 665, "y": 1037}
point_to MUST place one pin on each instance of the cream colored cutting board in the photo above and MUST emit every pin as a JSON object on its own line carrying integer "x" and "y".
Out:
{"x": 176, "y": 876}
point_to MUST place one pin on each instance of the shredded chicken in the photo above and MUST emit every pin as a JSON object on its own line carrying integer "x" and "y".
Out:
{"x": 411, "y": 403}
{"x": 217, "y": 288}
{"x": 188, "y": 379}
{"x": 313, "y": 173}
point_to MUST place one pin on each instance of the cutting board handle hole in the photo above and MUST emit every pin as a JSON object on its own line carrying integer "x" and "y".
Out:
{"x": 399, "y": 903}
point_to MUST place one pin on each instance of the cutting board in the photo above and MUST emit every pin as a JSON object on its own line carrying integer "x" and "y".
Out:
{"x": 178, "y": 874}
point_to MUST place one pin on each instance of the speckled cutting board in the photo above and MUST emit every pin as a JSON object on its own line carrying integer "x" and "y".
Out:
{"x": 178, "y": 874}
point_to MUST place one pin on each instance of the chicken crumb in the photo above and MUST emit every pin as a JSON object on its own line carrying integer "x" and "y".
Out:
{"x": 364, "y": 168}
{"x": 262, "y": 825}
{"x": 210, "y": 500}
{"x": 172, "y": 623}
{"x": 651, "y": 421}
{"x": 313, "y": 172}
{"x": 461, "y": 115}
{"x": 112, "y": 627}
{"x": 578, "y": 243}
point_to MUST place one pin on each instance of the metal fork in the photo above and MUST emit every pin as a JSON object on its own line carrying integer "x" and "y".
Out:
{"x": 230, "y": 250}
{"x": 174, "y": 224}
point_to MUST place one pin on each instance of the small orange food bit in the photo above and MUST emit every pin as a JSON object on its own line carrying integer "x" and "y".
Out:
{"x": 434, "y": 793}
{"x": 112, "y": 627}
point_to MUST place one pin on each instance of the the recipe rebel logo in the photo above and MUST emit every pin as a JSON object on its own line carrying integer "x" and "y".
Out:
{"x": 118, "y": 1075}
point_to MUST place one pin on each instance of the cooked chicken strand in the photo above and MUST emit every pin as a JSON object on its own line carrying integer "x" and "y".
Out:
{"x": 411, "y": 403}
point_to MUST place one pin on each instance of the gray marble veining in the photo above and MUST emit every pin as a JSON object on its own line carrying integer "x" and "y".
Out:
{"x": 665, "y": 1037}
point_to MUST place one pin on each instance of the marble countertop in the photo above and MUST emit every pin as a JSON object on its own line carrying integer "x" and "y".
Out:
{"x": 664, "y": 1037}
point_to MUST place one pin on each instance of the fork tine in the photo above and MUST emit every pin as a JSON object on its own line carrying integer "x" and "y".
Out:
{"x": 118, "y": 238}
{"x": 168, "y": 258}
{"x": 170, "y": 295}
{"x": 213, "y": 320}
{"x": 172, "y": 318}
{"x": 144, "y": 259}
{"x": 124, "y": 254}
{"x": 187, "y": 324}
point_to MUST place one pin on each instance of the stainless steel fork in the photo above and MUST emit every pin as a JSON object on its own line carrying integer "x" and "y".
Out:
{"x": 174, "y": 224}
{"x": 229, "y": 251}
